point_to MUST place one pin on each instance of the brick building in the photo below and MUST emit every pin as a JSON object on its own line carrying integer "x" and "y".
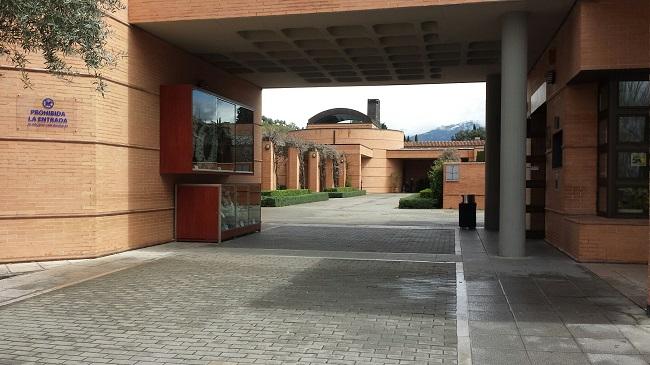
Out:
{"x": 379, "y": 160}
{"x": 567, "y": 116}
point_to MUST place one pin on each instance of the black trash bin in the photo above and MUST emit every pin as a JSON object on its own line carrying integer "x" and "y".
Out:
{"x": 467, "y": 212}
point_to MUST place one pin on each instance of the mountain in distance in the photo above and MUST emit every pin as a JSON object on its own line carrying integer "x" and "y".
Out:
{"x": 444, "y": 133}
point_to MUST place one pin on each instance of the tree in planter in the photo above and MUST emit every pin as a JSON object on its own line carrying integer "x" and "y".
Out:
{"x": 436, "y": 173}
{"x": 57, "y": 30}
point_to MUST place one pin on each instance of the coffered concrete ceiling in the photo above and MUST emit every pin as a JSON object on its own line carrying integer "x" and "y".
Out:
{"x": 434, "y": 44}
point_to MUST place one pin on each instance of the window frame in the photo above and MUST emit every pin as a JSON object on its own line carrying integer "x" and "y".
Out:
{"x": 454, "y": 166}
{"x": 612, "y": 182}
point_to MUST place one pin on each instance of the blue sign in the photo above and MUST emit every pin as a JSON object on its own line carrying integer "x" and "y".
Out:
{"x": 47, "y": 117}
{"x": 48, "y": 103}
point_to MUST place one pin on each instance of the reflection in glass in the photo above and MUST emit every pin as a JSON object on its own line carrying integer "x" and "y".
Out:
{"x": 631, "y": 129}
{"x": 242, "y": 205}
{"x": 228, "y": 209}
{"x": 254, "y": 201}
{"x": 628, "y": 167}
{"x": 244, "y": 140}
{"x": 223, "y": 134}
{"x": 204, "y": 128}
{"x": 632, "y": 200}
{"x": 634, "y": 93}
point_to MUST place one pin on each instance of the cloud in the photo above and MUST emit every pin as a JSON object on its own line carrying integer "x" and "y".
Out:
{"x": 411, "y": 108}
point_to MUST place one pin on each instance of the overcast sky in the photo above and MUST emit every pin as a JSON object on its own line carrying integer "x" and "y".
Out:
{"x": 411, "y": 108}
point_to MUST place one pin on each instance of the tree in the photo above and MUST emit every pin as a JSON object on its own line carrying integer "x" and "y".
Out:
{"x": 57, "y": 30}
{"x": 416, "y": 138}
{"x": 469, "y": 134}
{"x": 383, "y": 126}
{"x": 408, "y": 138}
{"x": 276, "y": 125}
{"x": 435, "y": 174}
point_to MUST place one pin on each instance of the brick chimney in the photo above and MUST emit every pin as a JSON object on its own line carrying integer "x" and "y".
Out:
{"x": 373, "y": 111}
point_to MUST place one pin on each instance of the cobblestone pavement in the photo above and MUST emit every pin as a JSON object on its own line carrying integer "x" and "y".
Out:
{"x": 208, "y": 305}
{"x": 350, "y": 238}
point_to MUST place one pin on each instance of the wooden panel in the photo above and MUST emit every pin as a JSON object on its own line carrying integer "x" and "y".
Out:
{"x": 175, "y": 129}
{"x": 197, "y": 210}
{"x": 232, "y": 233}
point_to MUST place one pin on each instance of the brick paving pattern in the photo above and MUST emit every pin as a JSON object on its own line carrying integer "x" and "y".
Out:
{"x": 434, "y": 241}
{"x": 210, "y": 307}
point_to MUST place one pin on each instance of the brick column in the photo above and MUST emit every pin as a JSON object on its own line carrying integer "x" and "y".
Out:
{"x": 293, "y": 169}
{"x": 313, "y": 181}
{"x": 343, "y": 173}
{"x": 329, "y": 174}
{"x": 268, "y": 166}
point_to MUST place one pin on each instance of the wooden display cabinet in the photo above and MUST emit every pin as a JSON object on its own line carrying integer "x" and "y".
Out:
{"x": 216, "y": 212}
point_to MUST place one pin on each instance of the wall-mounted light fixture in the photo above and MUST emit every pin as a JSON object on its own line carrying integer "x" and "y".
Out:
{"x": 313, "y": 154}
{"x": 267, "y": 147}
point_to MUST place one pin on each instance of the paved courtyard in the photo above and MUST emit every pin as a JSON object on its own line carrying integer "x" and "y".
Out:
{"x": 323, "y": 287}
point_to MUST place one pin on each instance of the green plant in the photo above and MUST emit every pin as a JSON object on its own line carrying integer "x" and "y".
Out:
{"x": 346, "y": 193}
{"x": 289, "y": 192}
{"x": 435, "y": 174}
{"x": 426, "y": 193}
{"x": 416, "y": 202}
{"x": 59, "y": 31}
{"x": 281, "y": 201}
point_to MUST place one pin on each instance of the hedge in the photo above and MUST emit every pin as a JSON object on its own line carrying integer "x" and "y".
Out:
{"x": 426, "y": 194}
{"x": 415, "y": 201}
{"x": 346, "y": 194}
{"x": 290, "y": 192}
{"x": 341, "y": 190}
{"x": 281, "y": 201}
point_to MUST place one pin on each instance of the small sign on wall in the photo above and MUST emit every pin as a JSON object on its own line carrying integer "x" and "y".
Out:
{"x": 46, "y": 113}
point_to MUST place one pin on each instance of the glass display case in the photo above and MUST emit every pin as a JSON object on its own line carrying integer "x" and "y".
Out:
{"x": 215, "y": 212}
{"x": 203, "y": 133}
{"x": 240, "y": 209}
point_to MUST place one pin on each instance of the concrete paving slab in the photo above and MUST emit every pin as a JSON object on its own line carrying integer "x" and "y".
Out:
{"x": 550, "y": 344}
{"x": 557, "y": 358}
{"x": 606, "y": 346}
{"x": 609, "y": 359}
{"x": 499, "y": 357}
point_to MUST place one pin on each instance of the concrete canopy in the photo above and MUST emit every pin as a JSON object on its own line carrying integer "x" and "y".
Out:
{"x": 337, "y": 115}
{"x": 397, "y": 44}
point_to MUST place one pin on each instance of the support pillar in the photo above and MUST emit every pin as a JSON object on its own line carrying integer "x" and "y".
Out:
{"x": 313, "y": 173}
{"x": 492, "y": 150}
{"x": 343, "y": 172}
{"x": 512, "y": 196}
{"x": 269, "y": 179}
{"x": 293, "y": 169}
{"x": 329, "y": 174}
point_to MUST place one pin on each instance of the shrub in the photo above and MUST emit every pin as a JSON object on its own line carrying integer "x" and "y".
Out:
{"x": 281, "y": 201}
{"x": 346, "y": 194}
{"x": 426, "y": 194}
{"x": 290, "y": 192}
{"x": 416, "y": 202}
{"x": 341, "y": 189}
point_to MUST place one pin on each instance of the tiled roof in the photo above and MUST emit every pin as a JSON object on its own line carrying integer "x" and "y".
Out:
{"x": 425, "y": 144}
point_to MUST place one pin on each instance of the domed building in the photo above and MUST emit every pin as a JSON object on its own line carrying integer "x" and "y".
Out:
{"x": 379, "y": 160}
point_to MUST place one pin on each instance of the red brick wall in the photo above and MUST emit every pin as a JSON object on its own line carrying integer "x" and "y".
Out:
{"x": 471, "y": 181}
{"x": 596, "y": 35}
{"x": 95, "y": 188}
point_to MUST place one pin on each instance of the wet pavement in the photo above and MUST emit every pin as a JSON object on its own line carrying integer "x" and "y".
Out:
{"x": 317, "y": 286}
